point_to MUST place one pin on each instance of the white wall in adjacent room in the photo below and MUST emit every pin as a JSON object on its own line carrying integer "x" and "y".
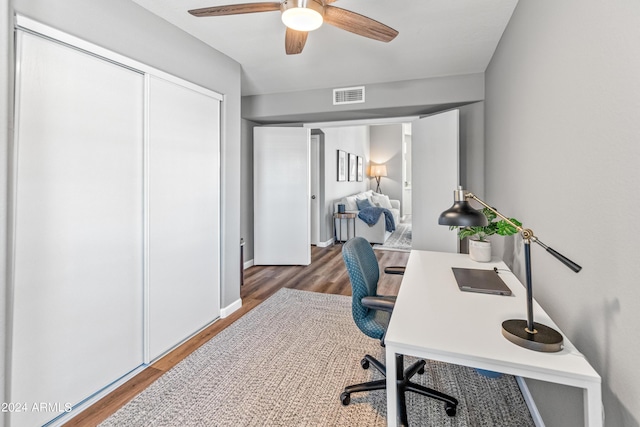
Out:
{"x": 386, "y": 148}
{"x": 351, "y": 139}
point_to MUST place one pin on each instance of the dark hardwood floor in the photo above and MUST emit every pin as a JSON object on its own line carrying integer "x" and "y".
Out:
{"x": 326, "y": 274}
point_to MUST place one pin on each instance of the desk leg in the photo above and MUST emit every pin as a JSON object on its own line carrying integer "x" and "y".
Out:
{"x": 593, "y": 405}
{"x": 392, "y": 389}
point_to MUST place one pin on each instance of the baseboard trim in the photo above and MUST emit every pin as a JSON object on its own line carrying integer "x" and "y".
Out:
{"x": 531, "y": 404}
{"x": 248, "y": 264}
{"x": 228, "y": 310}
{"x": 94, "y": 398}
{"x": 325, "y": 244}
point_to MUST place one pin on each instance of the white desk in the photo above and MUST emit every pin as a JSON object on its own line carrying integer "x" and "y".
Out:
{"x": 432, "y": 319}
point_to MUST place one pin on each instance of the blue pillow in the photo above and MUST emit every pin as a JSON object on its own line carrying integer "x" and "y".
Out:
{"x": 363, "y": 203}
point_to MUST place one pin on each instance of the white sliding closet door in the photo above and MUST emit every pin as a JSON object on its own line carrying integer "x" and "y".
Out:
{"x": 184, "y": 225}
{"x": 78, "y": 227}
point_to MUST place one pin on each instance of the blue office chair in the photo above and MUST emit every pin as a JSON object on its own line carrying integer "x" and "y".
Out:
{"x": 371, "y": 313}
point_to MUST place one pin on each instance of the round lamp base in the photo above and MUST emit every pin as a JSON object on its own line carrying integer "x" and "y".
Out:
{"x": 543, "y": 338}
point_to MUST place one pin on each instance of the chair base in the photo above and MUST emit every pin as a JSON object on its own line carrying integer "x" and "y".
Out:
{"x": 404, "y": 385}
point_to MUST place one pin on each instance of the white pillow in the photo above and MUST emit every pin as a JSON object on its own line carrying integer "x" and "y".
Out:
{"x": 382, "y": 201}
{"x": 350, "y": 203}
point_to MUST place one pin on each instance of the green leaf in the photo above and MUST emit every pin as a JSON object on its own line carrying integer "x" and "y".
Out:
{"x": 506, "y": 229}
{"x": 501, "y": 227}
{"x": 489, "y": 214}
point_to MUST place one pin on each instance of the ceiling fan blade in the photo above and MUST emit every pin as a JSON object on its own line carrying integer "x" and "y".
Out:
{"x": 358, "y": 24}
{"x": 235, "y": 9}
{"x": 294, "y": 41}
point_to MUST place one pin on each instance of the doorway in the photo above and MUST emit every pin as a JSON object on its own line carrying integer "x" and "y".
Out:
{"x": 406, "y": 172}
{"x": 318, "y": 206}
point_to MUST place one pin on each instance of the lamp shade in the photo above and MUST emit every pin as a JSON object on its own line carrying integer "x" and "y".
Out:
{"x": 378, "y": 170}
{"x": 461, "y": 214}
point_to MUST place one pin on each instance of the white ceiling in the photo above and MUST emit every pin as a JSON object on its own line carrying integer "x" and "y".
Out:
{"x": 437, "y": 38}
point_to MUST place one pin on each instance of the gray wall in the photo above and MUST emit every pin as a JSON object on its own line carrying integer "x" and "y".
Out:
{"x": 563, "y": 156}
{"x": 393, "y": 99}
{"x": 472, "y": 147}
{"x": 386, "y": 148}
{"x": 246, "y": 188}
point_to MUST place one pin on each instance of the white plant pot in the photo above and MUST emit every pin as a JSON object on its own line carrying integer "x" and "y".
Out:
{"x": 480, "y": 251}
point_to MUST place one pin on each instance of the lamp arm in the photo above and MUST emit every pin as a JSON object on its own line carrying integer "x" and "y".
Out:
{"x": 527, "y": 234}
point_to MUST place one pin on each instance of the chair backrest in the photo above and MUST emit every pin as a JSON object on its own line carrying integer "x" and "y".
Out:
{"x": 362, "y": 266}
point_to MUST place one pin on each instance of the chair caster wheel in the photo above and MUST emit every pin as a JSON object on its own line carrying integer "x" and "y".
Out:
{"x": 364, "y": 363}
{"x": 345, "y": 398}
{"x": 450, "y": 409}
{"x": 420, "y": 371}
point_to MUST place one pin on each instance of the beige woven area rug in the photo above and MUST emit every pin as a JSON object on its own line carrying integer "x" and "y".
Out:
{"x": 285, "y": 363}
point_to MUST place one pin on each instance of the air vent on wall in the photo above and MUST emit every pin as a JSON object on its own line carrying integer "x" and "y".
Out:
{"x": 348, "y": 95}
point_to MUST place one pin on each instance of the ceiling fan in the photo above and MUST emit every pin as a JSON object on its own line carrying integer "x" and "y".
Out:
{"x": 302, "y": 16}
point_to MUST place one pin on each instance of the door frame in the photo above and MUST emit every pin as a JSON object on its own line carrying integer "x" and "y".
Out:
{"x": 316, "y": 176}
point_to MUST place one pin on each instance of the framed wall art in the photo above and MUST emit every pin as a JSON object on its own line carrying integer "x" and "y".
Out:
{"x": 342, "y": 165}
{"x": 353, "y": 167}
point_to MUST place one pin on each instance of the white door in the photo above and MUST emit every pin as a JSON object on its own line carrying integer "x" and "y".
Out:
{"x": 184, "y": 237}
{"x": 435, "y": 175}
{"x": 281, "y": 196}
{"x": 78, "y": 256}
{"x": 315, "y": 189}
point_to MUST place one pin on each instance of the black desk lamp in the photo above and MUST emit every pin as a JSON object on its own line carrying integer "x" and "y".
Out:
{"x": 525, "y": 333}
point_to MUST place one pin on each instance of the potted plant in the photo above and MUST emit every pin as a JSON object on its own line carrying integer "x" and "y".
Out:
{"x": 479, "y": 243}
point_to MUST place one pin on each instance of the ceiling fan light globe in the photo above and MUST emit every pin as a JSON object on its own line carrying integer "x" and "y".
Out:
{"x": 302, "y": 15}
{"x": 302, "y": 19}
